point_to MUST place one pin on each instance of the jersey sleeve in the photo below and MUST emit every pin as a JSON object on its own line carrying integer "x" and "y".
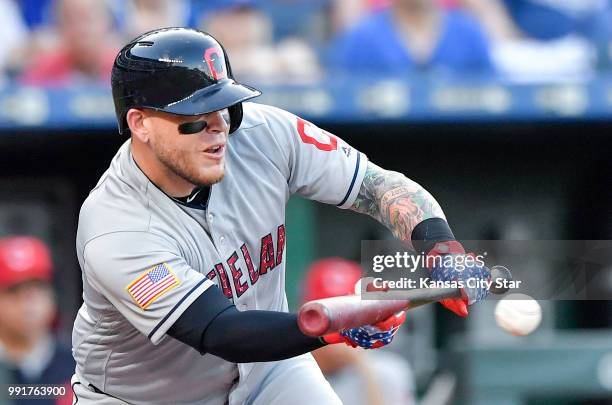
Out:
{"x": 144, "y": 277}
{"x": 322, "y": 166}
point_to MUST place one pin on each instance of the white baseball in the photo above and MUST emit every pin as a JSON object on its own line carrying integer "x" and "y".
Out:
{"x": 518, "y": 314}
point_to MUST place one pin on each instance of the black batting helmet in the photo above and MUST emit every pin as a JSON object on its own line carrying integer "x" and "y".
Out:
{"x": 177, "y": 70}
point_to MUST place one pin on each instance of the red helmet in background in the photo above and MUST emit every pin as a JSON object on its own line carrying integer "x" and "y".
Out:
{"x": 331, "y": 277}
{"x": 23, "y": 259}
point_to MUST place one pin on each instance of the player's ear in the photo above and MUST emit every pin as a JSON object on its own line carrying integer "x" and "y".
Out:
{"x": 135, "y": 119}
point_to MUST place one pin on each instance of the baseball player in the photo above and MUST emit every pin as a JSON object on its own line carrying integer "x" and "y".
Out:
{"x": 182, "y": 241}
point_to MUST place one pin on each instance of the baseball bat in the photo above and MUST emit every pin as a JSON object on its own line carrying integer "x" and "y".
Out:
{"x": 328, "y": 315}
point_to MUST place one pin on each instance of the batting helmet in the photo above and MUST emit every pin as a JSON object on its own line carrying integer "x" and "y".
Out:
{"x": 23, "y": 259}
{"x": 177, "y": 70}
{"x": 331, "y": 277}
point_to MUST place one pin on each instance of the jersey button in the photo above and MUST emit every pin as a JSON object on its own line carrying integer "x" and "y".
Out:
{"x": 222, "y": 240}
{"x": 210, "y": 217}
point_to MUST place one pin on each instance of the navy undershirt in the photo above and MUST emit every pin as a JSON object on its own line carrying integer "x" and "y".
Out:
{"x": 197, "y": 199}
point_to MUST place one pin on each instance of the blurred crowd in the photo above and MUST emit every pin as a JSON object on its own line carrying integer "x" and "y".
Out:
{"x": 30, "y": 351}
{"x": 56, "y": 42}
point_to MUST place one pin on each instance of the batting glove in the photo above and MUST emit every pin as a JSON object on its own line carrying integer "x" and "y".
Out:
{"x": 369, "y": 336}
{"x": 470, "y": 294}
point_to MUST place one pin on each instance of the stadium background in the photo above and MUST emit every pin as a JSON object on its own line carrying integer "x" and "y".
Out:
{"x": 517, "y": 151}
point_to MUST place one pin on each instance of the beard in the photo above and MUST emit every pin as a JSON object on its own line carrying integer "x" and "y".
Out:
{"x": 180, "y": 164}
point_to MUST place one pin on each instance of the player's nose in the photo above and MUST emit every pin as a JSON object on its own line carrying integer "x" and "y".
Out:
{"x": 218, "y": 121}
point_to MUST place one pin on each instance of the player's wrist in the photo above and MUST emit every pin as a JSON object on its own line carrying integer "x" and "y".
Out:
{"x": 432, "y": 232}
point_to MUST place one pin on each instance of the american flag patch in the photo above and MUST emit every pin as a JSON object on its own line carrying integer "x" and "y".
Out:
{"x": 151, "y": 284}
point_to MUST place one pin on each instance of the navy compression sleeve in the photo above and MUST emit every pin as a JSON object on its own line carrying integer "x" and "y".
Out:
{"x": 429, "y": 232}
{"x": 212, "y": 324}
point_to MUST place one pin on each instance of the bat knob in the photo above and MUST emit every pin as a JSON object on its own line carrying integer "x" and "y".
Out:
{"x": 313, "y": 319}
{"x": 500, "y": 273}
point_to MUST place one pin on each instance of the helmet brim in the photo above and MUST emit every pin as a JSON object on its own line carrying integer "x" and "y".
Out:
{"x": 212, "y": 98}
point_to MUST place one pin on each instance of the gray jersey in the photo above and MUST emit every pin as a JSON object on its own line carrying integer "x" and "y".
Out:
{"x": 390, "y": 374}
{"x": 146, "y": 258}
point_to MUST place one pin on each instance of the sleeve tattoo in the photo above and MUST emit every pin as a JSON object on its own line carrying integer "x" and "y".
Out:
{"x": 395, "y": 201}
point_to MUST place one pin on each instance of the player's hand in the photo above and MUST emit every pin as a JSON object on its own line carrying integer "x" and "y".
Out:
{"x": 463, "y": 272}
{"x": 369, "y": 336}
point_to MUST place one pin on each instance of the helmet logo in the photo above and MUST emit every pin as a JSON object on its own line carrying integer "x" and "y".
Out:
{"x": 216, "y": 63}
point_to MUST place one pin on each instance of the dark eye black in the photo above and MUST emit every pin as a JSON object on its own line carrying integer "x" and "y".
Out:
{"x": 188, "y": 128}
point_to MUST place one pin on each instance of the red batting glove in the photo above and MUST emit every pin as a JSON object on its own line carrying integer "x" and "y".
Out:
{"x": 335, "y": 338}
{"x": 456, "y": 305}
